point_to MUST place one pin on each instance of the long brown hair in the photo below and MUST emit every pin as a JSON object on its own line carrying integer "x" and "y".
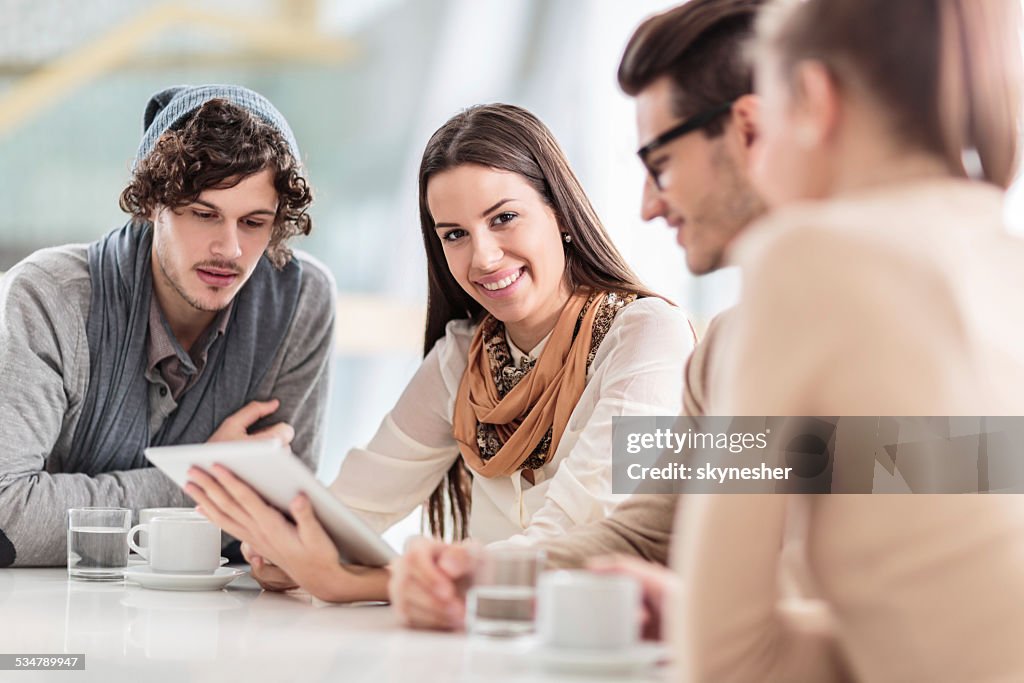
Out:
{"x": 507, "y": 138}
{"x": 949, "y": 71}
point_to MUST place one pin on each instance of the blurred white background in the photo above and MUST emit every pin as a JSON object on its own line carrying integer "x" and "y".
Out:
{"x": 363, "y": 83}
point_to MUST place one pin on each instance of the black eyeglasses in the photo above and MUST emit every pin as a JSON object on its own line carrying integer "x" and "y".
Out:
{"x": 688, "y": 126}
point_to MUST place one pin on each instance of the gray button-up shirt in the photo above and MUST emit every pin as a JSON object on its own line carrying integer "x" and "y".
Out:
{"x": 171, "y": 369}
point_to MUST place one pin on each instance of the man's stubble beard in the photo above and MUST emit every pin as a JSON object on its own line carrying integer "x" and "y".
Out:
{"x": 732, "y": 206}
{"x": 178, "y": 287}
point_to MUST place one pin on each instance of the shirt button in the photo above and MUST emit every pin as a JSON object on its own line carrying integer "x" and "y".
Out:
{"x": 163, "y": 391}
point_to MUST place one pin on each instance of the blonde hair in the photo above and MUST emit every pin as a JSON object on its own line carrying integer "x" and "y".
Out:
{"x": 949, "y": 71}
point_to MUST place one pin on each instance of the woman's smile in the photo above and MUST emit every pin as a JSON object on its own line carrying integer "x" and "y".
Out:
{"x": 502, "y": 284}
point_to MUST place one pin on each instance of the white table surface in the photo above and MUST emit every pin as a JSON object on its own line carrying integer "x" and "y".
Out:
{"x": 129, "y": 633}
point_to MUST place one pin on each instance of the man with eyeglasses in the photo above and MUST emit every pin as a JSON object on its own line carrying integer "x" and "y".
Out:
{"x": 696, "y": 120}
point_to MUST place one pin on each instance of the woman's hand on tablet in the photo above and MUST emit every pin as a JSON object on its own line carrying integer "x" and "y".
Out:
{"x": 301, "y": 550}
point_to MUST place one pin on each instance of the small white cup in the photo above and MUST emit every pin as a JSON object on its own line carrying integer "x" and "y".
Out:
{"x": 179, "y": 544}
{"x": 146, "y": 515}
{"x": 582, "y": 610}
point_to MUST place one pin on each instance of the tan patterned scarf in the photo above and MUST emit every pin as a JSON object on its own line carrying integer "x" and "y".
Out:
{"x": 509, "y": 418}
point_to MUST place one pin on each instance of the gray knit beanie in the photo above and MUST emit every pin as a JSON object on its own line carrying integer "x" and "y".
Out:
{"x": 168, "y": 107}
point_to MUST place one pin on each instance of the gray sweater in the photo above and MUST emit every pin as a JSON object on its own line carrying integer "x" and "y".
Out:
{"x": 44, "y": 373}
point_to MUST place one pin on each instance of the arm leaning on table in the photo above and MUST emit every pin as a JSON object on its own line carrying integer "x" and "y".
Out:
{"x": 423, "y": 582}
{"x": 44, "y": 372}
{"x": 640, "y": 527}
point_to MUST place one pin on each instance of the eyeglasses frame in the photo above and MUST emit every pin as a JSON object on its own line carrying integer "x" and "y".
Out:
{"x": 689, "y": 125}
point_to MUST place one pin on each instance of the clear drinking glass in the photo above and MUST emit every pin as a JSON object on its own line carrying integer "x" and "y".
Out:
{"x": 98, "y": 543}
{"x": 503, "y": 596}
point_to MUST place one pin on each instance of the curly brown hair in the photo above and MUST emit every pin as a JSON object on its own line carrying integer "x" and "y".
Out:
{"x": 217, "y": 147}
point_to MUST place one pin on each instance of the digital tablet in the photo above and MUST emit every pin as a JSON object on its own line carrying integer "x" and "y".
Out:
{"x": 278, "y": 475}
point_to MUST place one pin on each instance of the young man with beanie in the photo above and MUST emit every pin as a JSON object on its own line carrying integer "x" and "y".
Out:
{"x": 194, "y": 322}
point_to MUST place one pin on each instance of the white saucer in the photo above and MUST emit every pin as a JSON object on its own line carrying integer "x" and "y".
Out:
{"x": 147, "y": 578}
{"x": 640, "y": 656}
{"x": 135, "y": 560}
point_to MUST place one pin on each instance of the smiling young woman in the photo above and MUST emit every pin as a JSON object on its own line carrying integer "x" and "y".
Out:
{"x": 519, "y": 263}
{"x": 538, "y": 335}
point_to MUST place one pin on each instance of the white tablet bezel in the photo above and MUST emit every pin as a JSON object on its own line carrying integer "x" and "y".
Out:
{"x": 278, "y": 476}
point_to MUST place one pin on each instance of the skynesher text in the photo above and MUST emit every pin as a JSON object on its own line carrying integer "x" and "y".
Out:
{"x": 707, "y": 472}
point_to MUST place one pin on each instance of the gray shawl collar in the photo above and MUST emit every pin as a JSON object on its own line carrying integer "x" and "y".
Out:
{"x": 114, "y": 425}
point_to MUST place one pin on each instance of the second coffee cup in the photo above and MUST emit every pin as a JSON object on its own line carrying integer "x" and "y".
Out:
{"x": 147, "y": 515}
{"x": 581, "y": 610}
{"x": 179, "y": 544}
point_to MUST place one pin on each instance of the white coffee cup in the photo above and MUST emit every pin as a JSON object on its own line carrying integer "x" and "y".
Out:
{"x": 179, "y": 544}
{"x": 584, "y": 610}
{"x": 146, "y": 516}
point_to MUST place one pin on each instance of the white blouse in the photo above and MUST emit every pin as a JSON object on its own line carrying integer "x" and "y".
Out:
{"x": 637, "y": 370}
